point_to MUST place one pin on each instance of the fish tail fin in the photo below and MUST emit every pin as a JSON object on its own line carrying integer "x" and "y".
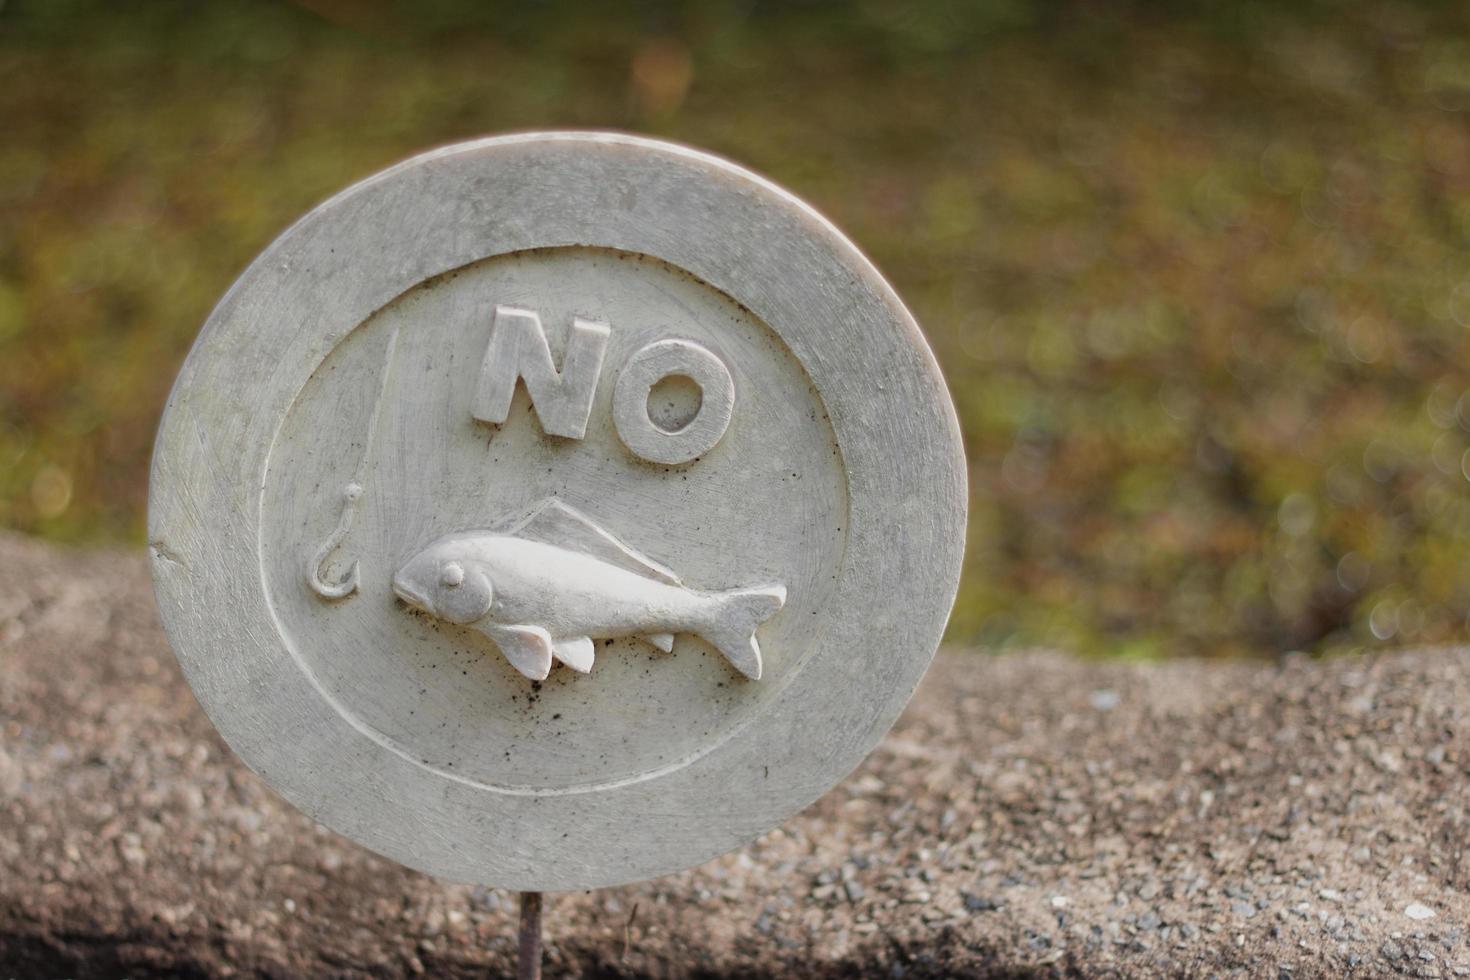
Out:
{"x": 736, "y": 616}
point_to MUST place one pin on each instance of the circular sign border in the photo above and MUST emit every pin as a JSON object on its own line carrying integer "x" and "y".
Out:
{"x": 350, "y": 256}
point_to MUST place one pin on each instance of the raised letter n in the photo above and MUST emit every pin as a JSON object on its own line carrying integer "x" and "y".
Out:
{"x": 518, "y": 349}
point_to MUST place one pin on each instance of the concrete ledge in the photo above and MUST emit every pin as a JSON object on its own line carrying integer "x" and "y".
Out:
{"x": 1031, "y": 815}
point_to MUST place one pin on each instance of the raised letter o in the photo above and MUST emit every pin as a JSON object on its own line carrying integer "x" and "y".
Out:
{"x": 647, "y": 367}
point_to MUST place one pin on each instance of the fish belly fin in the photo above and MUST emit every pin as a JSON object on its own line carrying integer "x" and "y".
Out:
{"x": 664, "y": 641}
{"x": 737, "y": 614}
{"x": 575, "y": 653}
{"x": 528, "y": 648}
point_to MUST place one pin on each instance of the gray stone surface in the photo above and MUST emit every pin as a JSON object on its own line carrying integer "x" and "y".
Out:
{"x": 1030, "y": 816}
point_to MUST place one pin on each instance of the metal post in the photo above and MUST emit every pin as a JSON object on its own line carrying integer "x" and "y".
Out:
{"x": 529, "y": 965}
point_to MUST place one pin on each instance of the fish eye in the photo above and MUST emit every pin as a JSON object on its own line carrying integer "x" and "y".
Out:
{"x": 452, "y": 574}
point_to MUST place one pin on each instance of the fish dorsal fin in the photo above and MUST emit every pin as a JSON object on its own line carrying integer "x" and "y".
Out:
{"x": 555, "y": 523}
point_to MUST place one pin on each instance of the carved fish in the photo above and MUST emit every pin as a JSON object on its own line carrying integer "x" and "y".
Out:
{"x": 548, "y": 583}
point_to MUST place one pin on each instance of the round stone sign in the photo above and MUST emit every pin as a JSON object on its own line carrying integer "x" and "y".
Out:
{"x": 557, "y": 510}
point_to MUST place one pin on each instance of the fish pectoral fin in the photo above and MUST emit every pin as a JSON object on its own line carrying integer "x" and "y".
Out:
{"x": 664, "y": 641}
{"x": 528, "y": 648}
{"x": 575, "y": 653}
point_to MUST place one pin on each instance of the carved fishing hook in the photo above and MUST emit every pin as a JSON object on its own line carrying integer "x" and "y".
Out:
{"x": 351, "y": 494}
{"x": 316, "y": 571}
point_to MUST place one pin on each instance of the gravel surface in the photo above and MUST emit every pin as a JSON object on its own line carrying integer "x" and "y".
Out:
{"x": 1030, "y": 816}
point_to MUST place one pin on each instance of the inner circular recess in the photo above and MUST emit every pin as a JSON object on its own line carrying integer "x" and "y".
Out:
{"x": 767, "y": 504}
{"x": 673, "y": 402}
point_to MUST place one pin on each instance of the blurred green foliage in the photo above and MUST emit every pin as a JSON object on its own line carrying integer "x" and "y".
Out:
{"x": 1198, "y": 274}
